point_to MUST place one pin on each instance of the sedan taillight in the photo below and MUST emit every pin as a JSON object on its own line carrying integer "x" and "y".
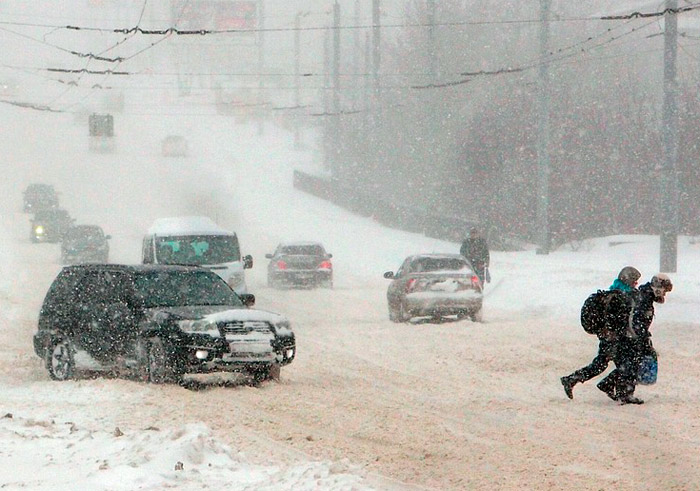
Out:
{"x": 410, "y": 285}
{"x": 281, "y": 265}
{"x": 325, "y": 265}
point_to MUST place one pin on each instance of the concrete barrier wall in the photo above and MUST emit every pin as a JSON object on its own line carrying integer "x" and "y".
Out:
{"x": 406, "y": 218}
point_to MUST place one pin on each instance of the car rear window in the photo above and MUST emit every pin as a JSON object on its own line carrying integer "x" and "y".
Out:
{"x": 86, "y": 233}
{"x": 430, "y": 264}
{"x": 303, "y": 250}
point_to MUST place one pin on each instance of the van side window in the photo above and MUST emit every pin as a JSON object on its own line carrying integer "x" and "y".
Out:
{"x": 147, "y": 250}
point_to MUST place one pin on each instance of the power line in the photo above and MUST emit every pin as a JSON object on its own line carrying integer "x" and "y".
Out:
{"x": 661, "y": 13}
{"x": 194, "y": 32}
{"x": 86, "y": 71}
{"x": 91, "y": 58}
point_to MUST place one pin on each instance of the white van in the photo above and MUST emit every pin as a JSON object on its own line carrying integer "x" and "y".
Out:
{"x": 200, "y": 241}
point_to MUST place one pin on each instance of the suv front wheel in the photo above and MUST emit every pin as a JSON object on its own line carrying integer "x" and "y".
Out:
{"x": 59, "y": 360}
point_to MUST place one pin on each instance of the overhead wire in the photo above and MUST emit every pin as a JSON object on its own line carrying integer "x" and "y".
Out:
{"x": 90, "y": 59}
{"x": 183, "y": 32}
{"x": 557, "y": 55}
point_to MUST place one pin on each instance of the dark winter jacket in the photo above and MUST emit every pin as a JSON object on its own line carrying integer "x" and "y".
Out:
{"x": 476, "y": 251}
{"x": 618, "y": 312}
{"x": 643, "y": 316}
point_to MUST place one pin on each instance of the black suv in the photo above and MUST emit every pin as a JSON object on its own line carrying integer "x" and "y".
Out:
{"x": 156, "y": 323}
{"x": 85, "y": 243}
{"x": 40, "y": 197}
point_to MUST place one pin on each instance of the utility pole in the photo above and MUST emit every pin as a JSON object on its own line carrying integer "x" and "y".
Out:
{"x": 336, "y": 89}
{"x": 261, "y": 64}
{"x": 356, "y": 51}
{"x": 432, "y": 48}
{"x": 368, "y": 68}
{"x": 326, "y": 88}
{"x": 543, "y": 134}
{"x": 376, "y": 45}
{"x": 336, "y": 57}
{"x": 669, "y": 217}
{"x": 432, "y": 124}
{"x": 297, "y": 76}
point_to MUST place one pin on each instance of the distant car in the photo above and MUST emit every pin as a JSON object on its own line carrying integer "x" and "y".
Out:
{"x": 39, "y": 197}
{"x": 50, "y": 225}
{"x": 175, "y": 146}
{"x": 8, "y": 88}
{"x": 156, "y": 323}
{"x": 434, "y": 285}
{"x": 84, "y": 244}
{"x": 305, "y": 264}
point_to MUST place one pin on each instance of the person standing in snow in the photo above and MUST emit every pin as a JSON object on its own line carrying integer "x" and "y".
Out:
{"x": 476, "y": 250}
{"x": 635, "y": 343}
{"x": 618, "y": 316}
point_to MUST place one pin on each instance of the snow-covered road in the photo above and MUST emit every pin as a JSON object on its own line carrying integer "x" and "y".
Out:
{"x": 456, "y": 405}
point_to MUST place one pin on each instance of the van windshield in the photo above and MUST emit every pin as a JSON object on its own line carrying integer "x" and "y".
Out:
{"x": 197, "y": 249}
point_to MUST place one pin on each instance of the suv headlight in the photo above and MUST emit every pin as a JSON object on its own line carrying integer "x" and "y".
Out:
{"x": 200, "y": 327}
{"x": 39, "y": 230}
{"x": 235, "y": 279}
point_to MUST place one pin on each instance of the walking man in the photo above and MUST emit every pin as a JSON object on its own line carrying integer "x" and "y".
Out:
{"x": 476, "y": 250}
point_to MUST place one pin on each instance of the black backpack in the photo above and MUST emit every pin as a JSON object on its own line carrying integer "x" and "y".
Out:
{"x": 605, "y": 312}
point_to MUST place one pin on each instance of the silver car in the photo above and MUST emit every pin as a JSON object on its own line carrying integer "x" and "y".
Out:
{"x": 434, "y": 285}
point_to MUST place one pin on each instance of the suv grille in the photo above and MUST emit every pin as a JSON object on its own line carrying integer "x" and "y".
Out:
{"x": 244, "y": 327}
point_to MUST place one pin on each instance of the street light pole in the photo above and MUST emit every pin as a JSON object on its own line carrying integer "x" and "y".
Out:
{"x": 261, "y": 63}
{"x": 376, "y": 45}
{"x": 297, "y": 76}
{"x": 543, "y": 134}
{"x": 669, "y": 226}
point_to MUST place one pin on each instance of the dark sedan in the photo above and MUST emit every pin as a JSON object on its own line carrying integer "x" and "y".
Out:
{"x": 301, "y": 264}
{"x": 39, "y": 197}
{"x": 434, "y": 285}
{"x": 83, "y": 244}
{"x": 49, "y": 225}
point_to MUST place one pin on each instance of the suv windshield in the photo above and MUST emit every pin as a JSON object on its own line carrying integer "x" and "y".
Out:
{"x": 303, "y": 250}
{"x": 197, "y": 249}
{"x": 183, "y": 288}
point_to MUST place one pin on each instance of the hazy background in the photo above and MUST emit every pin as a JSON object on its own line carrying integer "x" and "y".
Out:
{"x": 418, "y": 132}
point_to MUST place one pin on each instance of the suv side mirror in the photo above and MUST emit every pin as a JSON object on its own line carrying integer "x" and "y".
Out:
{"x": 329, "y": 255}
{"x": 268, "y": 256}
{"x": 107, "y": 237}
{"x": 247, "y": 262}
{"x": 389, "y": 275}
{"x": 248, "y": 299}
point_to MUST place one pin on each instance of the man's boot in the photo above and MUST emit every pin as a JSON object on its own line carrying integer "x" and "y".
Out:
{"x": 607, "y": 385}
{"x": 568, "y": 382}
{"x": 630, "y": 400}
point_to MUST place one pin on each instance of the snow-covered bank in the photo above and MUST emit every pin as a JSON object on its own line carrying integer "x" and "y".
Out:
{"x": 46, "y": 454}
